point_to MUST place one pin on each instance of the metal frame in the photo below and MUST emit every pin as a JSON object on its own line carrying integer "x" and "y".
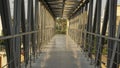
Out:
{"x": 92, "y": 33}
{"x": 7, "y": 30}
{"x": 24, "y": 31}
{"x": 40, "y": 28}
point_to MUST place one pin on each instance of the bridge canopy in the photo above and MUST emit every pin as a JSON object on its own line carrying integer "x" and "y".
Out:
{"x": 92, "y": 25}
{"x": 64, "y": 8}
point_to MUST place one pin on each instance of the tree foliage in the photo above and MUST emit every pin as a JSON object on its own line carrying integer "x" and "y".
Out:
{"x": 61, "y": 25}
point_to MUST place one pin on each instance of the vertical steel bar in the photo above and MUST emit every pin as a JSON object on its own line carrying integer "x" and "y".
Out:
{"x": 36, "y": 25}
{"x": 24, "y": 25}
{"x": 98, "y": 25}
{"x": 112, "y": 30}
{"x": 85, "y": 29}
{"x": 29, "y": 26}
{"x": 33, "y": 38}
{"x": 40, "y": 21}
{"x": 16, "y": 25}
{"x": 113, "y": 57}
{"x": 101, "y": 40}
{"x": 90, "y": 26}
{"x": 7, "y": 30}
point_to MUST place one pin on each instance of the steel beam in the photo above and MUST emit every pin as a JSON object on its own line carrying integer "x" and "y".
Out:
{"x": 33, "y": 27}
{"x": 16, "y": 26}
{"x": 101, "y": 40}
{"x": 7, "y": 30}
{"x": 29, "y": 21}
{"x": 113, "y": 57}
{"x": 98, "y": 25}
{"x": 112, "y": 30}
{"x": 24, "y": 25}
{"x": 89, "y": 27}
{"x": 36, "y": 25}
{"x": 47, "y": 7}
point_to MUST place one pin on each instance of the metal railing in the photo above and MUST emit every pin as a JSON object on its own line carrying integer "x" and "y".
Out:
{"x": 100, "y": 43}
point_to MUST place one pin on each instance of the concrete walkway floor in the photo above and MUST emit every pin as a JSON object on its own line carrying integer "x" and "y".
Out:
{"x": 61, "y": 52}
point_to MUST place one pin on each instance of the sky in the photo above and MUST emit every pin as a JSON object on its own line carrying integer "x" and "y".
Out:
{"x": 12, "y": 6}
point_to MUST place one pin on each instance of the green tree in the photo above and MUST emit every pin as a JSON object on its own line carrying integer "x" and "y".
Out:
{"x": 61, "y": 25}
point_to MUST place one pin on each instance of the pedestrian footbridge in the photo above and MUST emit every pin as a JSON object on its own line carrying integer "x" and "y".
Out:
{"x": 59, "y": 34}
{"x": 61, "y": 52}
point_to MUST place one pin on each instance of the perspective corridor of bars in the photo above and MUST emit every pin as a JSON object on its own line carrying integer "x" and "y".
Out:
{"x": 30, "y": 26}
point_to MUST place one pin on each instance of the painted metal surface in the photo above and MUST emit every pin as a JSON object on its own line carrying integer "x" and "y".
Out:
{"x": 38, "y": 28}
